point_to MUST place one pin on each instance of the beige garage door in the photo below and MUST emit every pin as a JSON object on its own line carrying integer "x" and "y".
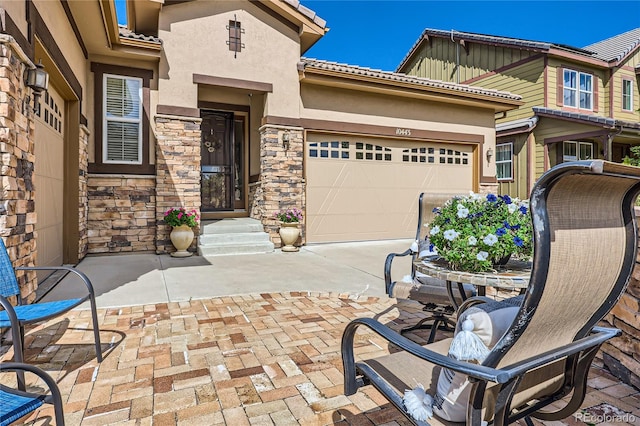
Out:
{"x": 367, "y": 189}
{"x": 49, "y": 175}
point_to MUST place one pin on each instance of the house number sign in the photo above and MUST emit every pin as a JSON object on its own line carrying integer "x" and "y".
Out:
{"x": 403, "y": 132}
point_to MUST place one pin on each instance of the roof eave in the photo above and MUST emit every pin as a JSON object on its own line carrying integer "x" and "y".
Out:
{"x": 405, "y": 89}
{"x": 110, "y": 21}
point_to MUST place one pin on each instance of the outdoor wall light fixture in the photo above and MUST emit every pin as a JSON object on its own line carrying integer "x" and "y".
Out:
{"x": 285, "y": 140}
{"x": 489, "y": 155}
{"x": 38, "y": 80}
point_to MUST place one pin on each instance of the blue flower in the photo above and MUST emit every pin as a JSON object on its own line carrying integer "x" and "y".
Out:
{"x": 492, "y": 198}
{"x": 515, "y": 227}
{"x": 506, "y": 225}
{"x": 518, "y": 241}
{"x": 436, "y": 210}
{"x": 523, "y": 209}
{"x": 506, "y": 199}
{"x": 431, "y": 246}
{"x": 500, "y": 232}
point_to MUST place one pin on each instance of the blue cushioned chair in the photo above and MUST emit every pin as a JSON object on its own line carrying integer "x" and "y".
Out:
{"x": 15, "y": 403}
{"x": 20, "y": 315}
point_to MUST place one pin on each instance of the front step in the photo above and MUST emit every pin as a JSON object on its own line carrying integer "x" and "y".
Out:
{"x": 233, "y": 236}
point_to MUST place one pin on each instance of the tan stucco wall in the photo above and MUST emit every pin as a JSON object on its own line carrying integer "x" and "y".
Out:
{"x": 195, "y": 38}
{"x": 326, "y": 103}
{"x": 56, "y": 21}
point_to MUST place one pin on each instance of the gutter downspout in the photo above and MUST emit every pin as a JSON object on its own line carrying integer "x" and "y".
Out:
{"x": 457, "y": 58}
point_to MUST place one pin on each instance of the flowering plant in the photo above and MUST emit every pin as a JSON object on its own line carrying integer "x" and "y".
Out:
{"x": 472, "y": 233}
{"x": 177, "y": 217}
{"x": 289, "y": 215}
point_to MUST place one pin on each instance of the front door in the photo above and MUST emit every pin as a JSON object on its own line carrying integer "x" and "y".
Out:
{"x": 222, "y": 182}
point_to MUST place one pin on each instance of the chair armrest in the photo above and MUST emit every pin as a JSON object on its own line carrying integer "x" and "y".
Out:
{"x": 479, "y": 372}
{"x": 387, "y": 267}
{"x": 46, "y": 378}
{"x": 83, "y": 277}
{"x": 601, "y": 335}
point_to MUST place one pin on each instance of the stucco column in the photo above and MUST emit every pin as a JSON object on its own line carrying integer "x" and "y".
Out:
{"x": 281, "y": 176}
{"x": 17, "y": 134}
{"x": 177, "y": 171}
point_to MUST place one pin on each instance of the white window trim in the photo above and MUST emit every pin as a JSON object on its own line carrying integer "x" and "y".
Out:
{"x": 578, "y": 145}
{"x": 577, "y": 89}
{"x": 624, "y": 80}
{"x": 105, "y": 120}
{"x": 510, "y": 161}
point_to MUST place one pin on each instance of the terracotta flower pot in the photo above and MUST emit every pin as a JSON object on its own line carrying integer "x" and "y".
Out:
{"x": 181, "y": 238}
{"x": 289, "y": 233}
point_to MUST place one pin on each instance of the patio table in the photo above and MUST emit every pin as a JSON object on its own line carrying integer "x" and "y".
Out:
{"x": 514, "y": 275}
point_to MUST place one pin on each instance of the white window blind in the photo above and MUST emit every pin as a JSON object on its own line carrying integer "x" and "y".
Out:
{"x": 122, "y": 122}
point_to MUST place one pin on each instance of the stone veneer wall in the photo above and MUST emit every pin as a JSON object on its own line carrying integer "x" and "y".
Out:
{"x": 177, "y": 172}
{"x": 121, "y": 213}
{"x": 622, "y": 354}
{"x": 83, "y": 196}
{"x": 17, "y": 201}
{"x": 282, "y": 184}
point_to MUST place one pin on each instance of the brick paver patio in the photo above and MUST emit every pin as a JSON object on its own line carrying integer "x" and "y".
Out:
{"x": 247, "y": 360}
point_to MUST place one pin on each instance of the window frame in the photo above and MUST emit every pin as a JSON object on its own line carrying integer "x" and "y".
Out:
{"x": 98, "y": 165}
{"x": 510, "y": 161}
{"x": 628, "y": 95}
{"x": 578, "y": 144}
{"x": 106, "y": 120}
{"x": 578, "y": 91}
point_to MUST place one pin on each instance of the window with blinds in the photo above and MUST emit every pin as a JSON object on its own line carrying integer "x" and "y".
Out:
{"x": 122, "y": 120}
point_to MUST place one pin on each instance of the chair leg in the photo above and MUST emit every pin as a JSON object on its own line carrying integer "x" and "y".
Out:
{"x": 17, "y": 334}
{"x": 438, "y": 321}
{"x": 96, "y": 330}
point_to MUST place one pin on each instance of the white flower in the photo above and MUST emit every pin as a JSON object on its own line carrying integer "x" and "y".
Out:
{"x": 450, "y": 234}
{"x": 482, "y": 255}
{"x": 474, "y": 197}
{"x": 435, "y": 230}
{"x": 460, "y": 206}
{"x": 463, "y": 212}
{"x": 512, "y": 208}
{"x": 472, "y": 240}
{"x": 490, "y": 240}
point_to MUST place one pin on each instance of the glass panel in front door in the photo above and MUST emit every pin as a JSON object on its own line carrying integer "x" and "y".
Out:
{"x": 238, "y": 161}
{"x": 217, "y": 166}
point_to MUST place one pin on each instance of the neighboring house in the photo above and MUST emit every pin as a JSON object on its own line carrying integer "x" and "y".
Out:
{"x": 578, "y": 103}
{"x": 210, "y": 106}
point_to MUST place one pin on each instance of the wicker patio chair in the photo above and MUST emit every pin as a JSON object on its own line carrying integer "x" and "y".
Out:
{"x": 430, "y": 292}
{"x": 585, "y": 240}
{"x": 16, "y": 403}
{"x": 16, "y": 317}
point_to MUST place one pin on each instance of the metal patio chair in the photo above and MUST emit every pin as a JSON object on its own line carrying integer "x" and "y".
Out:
{"x": 16, "y": 317}
{"x": 585, "y": 243}
{"x": 430, "y": 292}
{"x": 16, "y": 403}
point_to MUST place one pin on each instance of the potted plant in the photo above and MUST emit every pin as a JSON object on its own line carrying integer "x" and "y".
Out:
{"x": 181, "y": 235}
{"x": 289, "y": 231}
{"x": 475, "y": 233}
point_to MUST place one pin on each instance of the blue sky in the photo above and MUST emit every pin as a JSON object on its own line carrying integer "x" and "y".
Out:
{"x": 379, "y": 33}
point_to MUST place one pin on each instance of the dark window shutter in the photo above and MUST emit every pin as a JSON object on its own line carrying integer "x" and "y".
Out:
{"x": 559, "y": 86}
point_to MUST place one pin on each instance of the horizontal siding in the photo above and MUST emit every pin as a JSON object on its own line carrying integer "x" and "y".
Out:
{"x": 526, "y": 80}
